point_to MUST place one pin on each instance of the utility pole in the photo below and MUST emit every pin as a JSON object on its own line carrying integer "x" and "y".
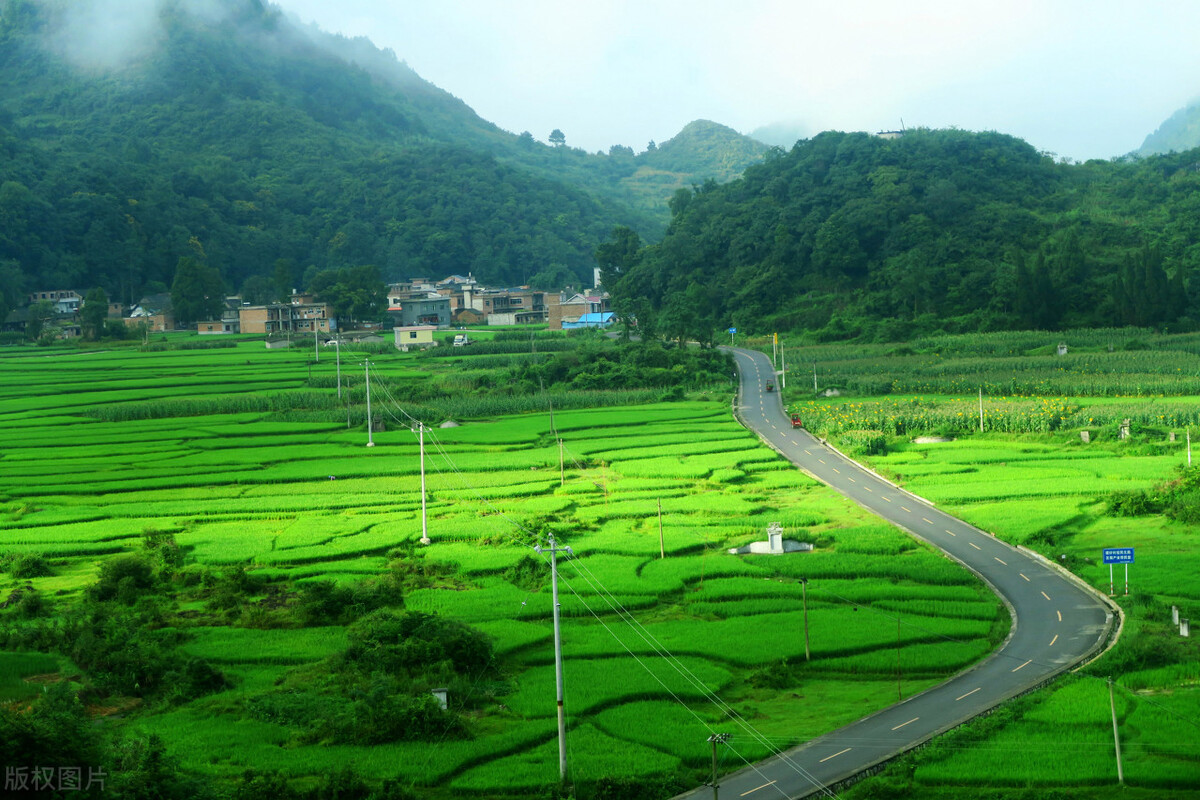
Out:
{"x": 782, "y": 369}
{"x": 1189, "y": 443}
{"x": 558, "y": 668}
{"x": 716, "y": 738}
{"x": 316, "y": 348}
{"x": 367, "y": 370}
{"x": 804, "y": 600}
{"x": 662, "y": 551}
{"x": 424, "y": 517}
{"x": 562, "y": 475}
{"x": 814, "y": 377}
{"x": 1112, "y": 703}
{"x": 981, "y": 409}
{"x": 337, "y": 342}
{"x": 775, "y": 351}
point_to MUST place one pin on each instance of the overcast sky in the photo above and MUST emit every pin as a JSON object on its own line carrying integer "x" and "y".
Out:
{"x": 1080, "y": 78}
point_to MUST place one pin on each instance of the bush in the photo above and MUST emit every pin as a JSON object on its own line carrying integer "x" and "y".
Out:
{"x": 23, "y": 566}
{"x": 124, "y": 579}
{"x": 1131, "y": 503}
{"x": 388, "y": 642}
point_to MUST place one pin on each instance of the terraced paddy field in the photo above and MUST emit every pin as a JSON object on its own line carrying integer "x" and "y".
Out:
{"x": 239, "y": 462}
{"x": 1048, "y": 490}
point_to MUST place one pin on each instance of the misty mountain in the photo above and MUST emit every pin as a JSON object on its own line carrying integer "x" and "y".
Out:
{"x": 781, "y": 134}
{"x": 1181, "y": 131}
{"x": 135, "y": 132}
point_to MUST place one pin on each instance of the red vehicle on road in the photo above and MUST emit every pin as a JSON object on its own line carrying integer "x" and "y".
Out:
{"x": 796, "y": 421}
{"x": 770, "y": 386}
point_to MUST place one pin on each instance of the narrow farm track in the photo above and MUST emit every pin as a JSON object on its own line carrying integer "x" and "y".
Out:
{"x": 1057, "y": 622}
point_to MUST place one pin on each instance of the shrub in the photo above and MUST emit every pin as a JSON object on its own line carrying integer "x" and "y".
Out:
{"x": 23, "y": 566}
{"x": 1131, "y": 503}
{"x": 389, "y": 642}
{"x": 123, "y": 578}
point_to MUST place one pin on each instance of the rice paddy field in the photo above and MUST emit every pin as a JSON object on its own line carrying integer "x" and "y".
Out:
{"x": 246, "y": 457}
{"x": 1031, "y": 479}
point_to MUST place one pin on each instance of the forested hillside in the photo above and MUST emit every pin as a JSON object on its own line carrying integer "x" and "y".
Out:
{"x": 853, "y": 235}
{"x": 1180, "y": 131}
{"x": 237, "y": 136}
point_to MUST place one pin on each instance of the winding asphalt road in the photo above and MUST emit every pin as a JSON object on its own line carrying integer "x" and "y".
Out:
{"x": 1057, "y": 622}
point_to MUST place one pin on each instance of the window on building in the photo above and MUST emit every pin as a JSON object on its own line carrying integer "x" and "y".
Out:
{"x": 412, "y": 334}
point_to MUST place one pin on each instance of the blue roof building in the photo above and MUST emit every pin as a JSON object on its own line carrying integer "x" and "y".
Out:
{"x": 598, "y": 319}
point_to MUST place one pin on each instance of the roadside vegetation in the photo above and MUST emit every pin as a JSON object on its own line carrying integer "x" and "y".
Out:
{"x": 1031, "y": 479}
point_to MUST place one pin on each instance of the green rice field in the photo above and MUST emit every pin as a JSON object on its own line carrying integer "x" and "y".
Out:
{"x": 1030, "y": 479}
{"x": 244, "y": 457}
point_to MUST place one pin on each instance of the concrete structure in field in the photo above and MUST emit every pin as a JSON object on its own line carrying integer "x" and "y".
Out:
{"x": 415, "y": 311}
{"x": 65, "y": 301}
{"x": 279, "y": 318}
{"x": 408, "y": 336}
{"x": 520, "y": 306}
{"x": 573, "y": 306}
{"x": 155, "y": 311}
{"x": 600, "y": 319}
{"x": 774, "y": 545}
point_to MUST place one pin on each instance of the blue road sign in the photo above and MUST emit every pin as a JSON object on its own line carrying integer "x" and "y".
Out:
{"x": 1118, "y": 555}
{"x": 733, "y": 330}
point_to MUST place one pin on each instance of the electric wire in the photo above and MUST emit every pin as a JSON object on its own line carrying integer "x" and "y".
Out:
{"x": 628, "y": 618}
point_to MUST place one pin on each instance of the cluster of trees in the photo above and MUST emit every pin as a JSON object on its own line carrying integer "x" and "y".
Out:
{"x": 125, "y": 632}
{"x": 248, "y": 137}
{"x": 602, "y": 364}
{"x": 851, "y": 235}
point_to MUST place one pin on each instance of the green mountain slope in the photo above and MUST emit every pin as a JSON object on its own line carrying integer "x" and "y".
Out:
{"x": 1180, "y": 132}
{"x": 235, "y": 134}
{"x": 854, "y": 235}
{"x": 702, "y": 151}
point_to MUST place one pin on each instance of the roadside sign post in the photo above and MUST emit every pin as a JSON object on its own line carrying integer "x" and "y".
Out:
{"x": 1118, "y": 555}
{"x": 732, "y": 331}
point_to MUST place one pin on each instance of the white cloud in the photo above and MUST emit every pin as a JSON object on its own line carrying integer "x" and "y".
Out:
{"x": 1082, "y": 78}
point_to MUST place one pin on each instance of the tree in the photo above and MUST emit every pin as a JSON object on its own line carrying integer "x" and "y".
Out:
{"x": 93, "y": 313}
{"x": 353, "y": 293}
{"x": 39, "y": 314}
{"x": 284, "y": 278}
{"x": 11, "y": 282}
{"x": 557, "y": 138}
{"x": 197, "y": 292}
{"x": 258, "y": 290}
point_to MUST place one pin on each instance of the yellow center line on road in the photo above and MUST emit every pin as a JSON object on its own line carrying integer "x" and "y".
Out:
{"x": 1027, "y": 663}
{"x": 1059, "y": 615}
{"x": 807, "y": 453}
{"x": 1045, "y": 595}
{"x": 977, "y": 547}
{"x": 756, "y": 788}
{"x": 968, "y": 694}
{"x": 885, "y": 497}
{"x": 1052, "y": 641}
{"x": 927, "y": 519}
{"x": 902, "y": 724}
{"x": 838, "y": 471}
{"x": 1023, "y": 575}
{"x": 904, "y": 508}
{"x": 868, "y": 488}
{"x": 952, "y": 533}
{"x": 851, "y": 479}
{"x": 1005, "y": 563}
{"x": 821, "y": 460}
{"x": 835, "y": 755}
